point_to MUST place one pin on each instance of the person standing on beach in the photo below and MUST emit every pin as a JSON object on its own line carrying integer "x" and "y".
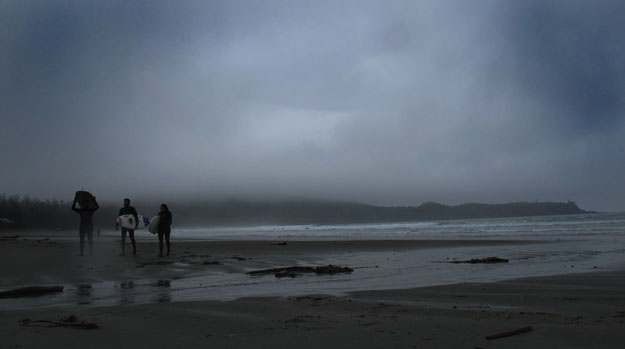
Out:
{"x": 86, "y": 224}
{"x": 164, "y": 228}
{"x": 127, "y": 209}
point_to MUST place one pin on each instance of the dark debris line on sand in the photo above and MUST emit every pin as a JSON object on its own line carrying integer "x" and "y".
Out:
{"x": 141, "y": 265}
{"x": 190, "y": 259}
{"x": 70, "y": 321}
{"x": 294, "y": 271}
{"x": 30, "y": 291}
{"x": 510, "y": 333}
{"x": 482, "y": 260}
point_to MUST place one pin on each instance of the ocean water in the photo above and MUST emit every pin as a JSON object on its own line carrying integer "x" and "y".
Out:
{"x": 542, "y": 227}
{"x": 549, "y": 246}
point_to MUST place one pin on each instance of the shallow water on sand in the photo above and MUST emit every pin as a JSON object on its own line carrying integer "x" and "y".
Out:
{"x": 554, "y": 245}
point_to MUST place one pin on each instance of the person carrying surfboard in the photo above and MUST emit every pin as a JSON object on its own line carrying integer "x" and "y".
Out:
{"x": 127, "y": 209}
{"x": 88, "y": 205}
{"x": 164, "y": 228}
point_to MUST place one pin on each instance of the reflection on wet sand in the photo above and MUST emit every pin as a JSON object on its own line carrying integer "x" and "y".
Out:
{"x": 130, "y": 292}
{"x": 126, "y": 292}
{"x": 163, "y": 294}
{"x": 83, "y": 293}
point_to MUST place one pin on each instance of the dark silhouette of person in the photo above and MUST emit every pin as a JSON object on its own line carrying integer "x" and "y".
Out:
{"x": 86, "y": 224}
{"x": 127, "y": 209}
{"x": 164, "y": 228}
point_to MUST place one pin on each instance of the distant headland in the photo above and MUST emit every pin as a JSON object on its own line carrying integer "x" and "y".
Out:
{"x": 327, "y": 212}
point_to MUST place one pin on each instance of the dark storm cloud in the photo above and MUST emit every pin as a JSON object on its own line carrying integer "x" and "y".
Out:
{"x": 571, "y": 54}
{"x": 393, "y": 103}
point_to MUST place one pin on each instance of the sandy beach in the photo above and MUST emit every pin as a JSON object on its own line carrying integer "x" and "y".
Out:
{"x": 565, "y": 311}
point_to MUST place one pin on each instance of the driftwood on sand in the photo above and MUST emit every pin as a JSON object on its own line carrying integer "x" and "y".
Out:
{"x": 482, "y": 260}
{"x": 70, "y": 321}
{"x": 294, "y": 271}
{"x": 30, "y": 291}
{"x": 141, "y": 265}
{"x": 510, "y": 333}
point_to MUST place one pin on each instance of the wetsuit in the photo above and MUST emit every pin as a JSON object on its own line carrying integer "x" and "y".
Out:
{"x": 86, "y": 225}
{"x": 131, "y": 232}
{"x": 164, "y": 229}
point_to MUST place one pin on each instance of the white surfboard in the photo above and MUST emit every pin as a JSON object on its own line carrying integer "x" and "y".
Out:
{"x": 128, "y": 221}
{"x": 153, "y": 226}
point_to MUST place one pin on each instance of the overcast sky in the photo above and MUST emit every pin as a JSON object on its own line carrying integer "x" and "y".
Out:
{"x": 382, "y": 102}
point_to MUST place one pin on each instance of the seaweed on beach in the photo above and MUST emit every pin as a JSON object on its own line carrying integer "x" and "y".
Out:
{"x": 510, "y": 333}
{"x": 486, "y": 260}
{"x": 141, "y": 265}
{"x": 198, "y": 259}
{"x": 190, "y": 259}
{"x": 297, "y": 270}
{"x": 163, "y": 283}
{"x": 70, "y": 321}
{"x": 30, "y": 291}
{"x": 127, "y": 285}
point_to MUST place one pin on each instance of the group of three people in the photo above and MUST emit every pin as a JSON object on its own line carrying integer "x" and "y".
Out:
{"x": 86, "y": 226}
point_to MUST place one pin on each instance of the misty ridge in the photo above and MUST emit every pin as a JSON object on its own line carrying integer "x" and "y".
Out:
{"x": 27, "y": 213}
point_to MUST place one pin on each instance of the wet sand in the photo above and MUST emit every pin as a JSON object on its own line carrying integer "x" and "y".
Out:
{"x": 49, "y": 260}
{"x": 567, "y": 311}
